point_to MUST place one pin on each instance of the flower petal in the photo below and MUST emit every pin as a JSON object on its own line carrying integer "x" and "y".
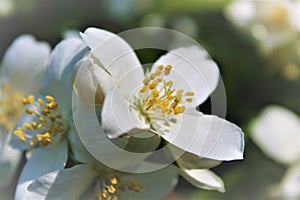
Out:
{"x": 119, "y": 116}
{"x": 203, "y": 178}
{"x": 89, "y": 81}
{"x": 79, "y": 151}
{"x": 64, "y": 184}
{"x": 290, "y": 184}
{"x": 58, "y": 80}
{"x": 114, "y": 55}
{"x": 24, "y": 64}
{"x": 10, "y": 159}
{"x": 41, "y": 161}
{"x": 278, "y": 127}
{"x": 109, "y": 152}
{"x": 188, "y": 160}
{"x": 155, "y": 185}
{"x": 192, "y": 71}
{"x": 206, "y": 136}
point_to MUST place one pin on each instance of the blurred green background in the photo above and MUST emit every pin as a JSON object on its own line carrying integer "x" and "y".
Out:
{"x": 252, "y": 79}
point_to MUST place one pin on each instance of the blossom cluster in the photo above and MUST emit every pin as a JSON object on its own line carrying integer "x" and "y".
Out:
{"x": 84, "y": 121}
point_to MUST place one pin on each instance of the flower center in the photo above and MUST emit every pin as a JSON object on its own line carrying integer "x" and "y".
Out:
{"x": 112, "y": 187}
{"x": 10, "y": 107}
{"x": 46, "y": 123}
{"x": 157, "y": 99}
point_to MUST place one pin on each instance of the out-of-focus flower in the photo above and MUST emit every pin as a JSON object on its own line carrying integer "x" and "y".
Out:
{"x": 273, "y": 23}
{"x": 6, "y": 7}
{"x": 277, "y": 132}
{"x": 88, "y": 181}
{"x": 22, "y": 71}
{"x": 45, "y": 123}
{"x": 163, "y": 102}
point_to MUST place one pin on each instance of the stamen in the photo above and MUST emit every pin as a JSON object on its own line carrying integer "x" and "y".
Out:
{"x": 111, "y": 188}
{"x": 157, "y": 99}
{"x": 46, "y": 124}
{"x": 11, "y": 107}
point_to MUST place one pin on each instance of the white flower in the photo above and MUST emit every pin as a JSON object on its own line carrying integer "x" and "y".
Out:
{"x": 45, "y": 124}
{"x": 163, "y": 102}
{"x": 277, "y": 132}
{"x": 22, "y": 70}
{"x": 273, "y": 23}
{"x": 87, "y": 181}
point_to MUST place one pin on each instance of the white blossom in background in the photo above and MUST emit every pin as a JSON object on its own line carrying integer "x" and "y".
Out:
{"x": 277, "y": 132}
{"x": 273, "y": 23}
{"x": 22, "y": 71}
{"x": 162, "y": 102}
{"x": 45, "y": 124}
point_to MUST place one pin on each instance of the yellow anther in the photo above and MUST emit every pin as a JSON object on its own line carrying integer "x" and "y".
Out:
{"x": 29, "y": 111}
{"x": 152, "y": 76}
{"x": 111, "y": 189}
{"x": 146, "y": 81}
{"x": 30, "y": 99}
{"x": 155, "y": 93}
{"x": 20, "y": 134}
{"x": 160, "y": 67}
{"x": 169, "y": 83}
{"x": 45, "y": 112}
{"x": 49, "y": 99}
{"x": 189, "y": 100}
{"x": 52, "y": 118}
{"x": 27, "y": 126}
{"x": 114, "y": 181}
{"x": 165, "y": 104}
{"x": 168, "y": 70}
{"x": 59, "y": 116}
{"x": 151, "y": 102}
{"x": 153, "y": 84}
{"x": 189, "y": 94}
{"x": 32, "y": 142}
{"x": 170, "y": 97}
{"x": 25, "y": 101}
{"x": 179, "y": 92}
{"x": 178, "y": 109}
{"x": 105, "y": 194}
{"x": 40, "y": 101}
{"x": 144, "y": 88}
{"x": 44, "y": 137}
{"x": 41, "y": 119}
{"x": 169, "y": 67}
{"x": 51, "y": 106}
{"x": 157, "y": 72}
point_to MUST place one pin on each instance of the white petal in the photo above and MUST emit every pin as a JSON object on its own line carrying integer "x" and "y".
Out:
{"x": 241, "y": 12}
{"x": 24, "y": 64}
{"x": 278, "y": 128}
{"x": 187, "y": 160}
{"x": 119, "y": 116}
{"x": 290, "y": 184}
{"x": 117, "y": 57}
{"x": 156, "y": 185}
{"x": 41, "y": 161}
{"x": 79, "y": 151}
{"x": 58, "y": 80}
{"x": 106, "y": 151}
{"x": 64, "y": 184}
{"x": 206, "y": 136}
{"x": 10, "y": 159}
{"x": 192, "y": 71}
{"x": 91, "y": 82}
{"x": 203, "y": 178}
